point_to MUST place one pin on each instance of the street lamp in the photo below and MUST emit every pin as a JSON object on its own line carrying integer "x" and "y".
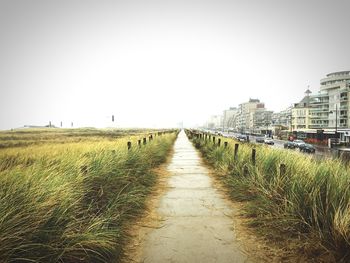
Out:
{"x": 267, "y": 129}
{"x": 336, "y": 120}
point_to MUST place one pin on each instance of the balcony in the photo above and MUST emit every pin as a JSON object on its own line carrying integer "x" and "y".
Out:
{"x": 337, "y": 79}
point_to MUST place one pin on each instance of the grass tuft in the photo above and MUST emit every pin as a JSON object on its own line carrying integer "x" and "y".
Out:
{"x": 307, "y": 200}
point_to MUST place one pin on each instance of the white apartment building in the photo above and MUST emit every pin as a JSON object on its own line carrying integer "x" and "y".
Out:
{"x": 283, "y": 118}
{"x": 328, "y": 112}
{"x": 215, "y": 122}
{"x": 230, "y": 118}
{"x": 245, "y": 119}
{"x": 260, "y": 121}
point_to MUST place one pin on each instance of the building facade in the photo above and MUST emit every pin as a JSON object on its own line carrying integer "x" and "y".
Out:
{"x": 283, "y": 119}
{"x": 327, "y": 113}
{"x": 260, "y": 121}
{"x": 230, "y": 118}
{"x": 215, "y": 122}
{"x": 245, "y": 114}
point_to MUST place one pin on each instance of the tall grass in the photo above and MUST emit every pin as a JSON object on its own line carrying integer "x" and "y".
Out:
{"x": 309, "y": 199}
{"x": 34, "y": 136}
{"x": 70, "y": 202}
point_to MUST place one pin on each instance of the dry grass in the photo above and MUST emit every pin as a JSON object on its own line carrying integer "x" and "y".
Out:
{"x": 70, "y": 202}
{"x": 307, "y": 206}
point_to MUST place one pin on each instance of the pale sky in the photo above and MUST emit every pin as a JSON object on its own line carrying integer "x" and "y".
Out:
{"x": 156, "y": 63}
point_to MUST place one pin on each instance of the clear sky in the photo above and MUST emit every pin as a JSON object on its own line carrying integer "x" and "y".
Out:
{"x": 156, "y": 63}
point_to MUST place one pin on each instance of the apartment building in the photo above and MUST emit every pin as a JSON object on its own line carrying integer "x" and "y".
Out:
{"x": 260, "y": 121}
{"x": 215, "y": 122}
{"x": 300, "y": 114}
{"x": 283, "y": 119}
{"x": 327, "y": 112}
{"x": 247, "y": 121}
{"x": 230, "y": 118}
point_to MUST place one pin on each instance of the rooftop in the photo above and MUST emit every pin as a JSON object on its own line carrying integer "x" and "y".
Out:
{"x": 338, "y": 73}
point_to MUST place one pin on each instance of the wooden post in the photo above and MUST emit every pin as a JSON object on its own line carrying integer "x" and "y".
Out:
{"x": 236, "y": 151}
{"x": 282, "y": 169}
{"x": 129, "y": 145}
{"x": 139, "y": 143}
{"x": 219, "y": 142}
{"x": 84, "y": 169}
{"x": 245, "y": 170}
{"x": 149, "y": 138}
{"x": 214, "y": 139}
{"x": 144, "y": 140}
{"x": 225, "y": 144}
{"x": 253, "y": 156}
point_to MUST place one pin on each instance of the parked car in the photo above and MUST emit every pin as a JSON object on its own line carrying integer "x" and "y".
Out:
{"x": 307, "y": 148}
{"x": 260, "y": 139}
{"x": 269, "y": 141}
{"x": 289, "y": 145}
{"x": 242, "y": 138}
{"x": 299, "y": 143}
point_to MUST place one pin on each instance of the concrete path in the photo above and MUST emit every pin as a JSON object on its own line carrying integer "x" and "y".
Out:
{"x": 198, "y": 225}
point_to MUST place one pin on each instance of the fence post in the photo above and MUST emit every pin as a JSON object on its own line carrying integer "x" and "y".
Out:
{"x": 253, "y": 156}
{"x": 129, "y": 145}
{"x": 236, "y": 151}
{"x": 214, "y": 139}
{"x": 139, "y": 142}
{"x": 144, "y": 140}
{"x": 282, "y": 169}
{"x": 219, "y": 142}
{"x": 245, "y": 170}
{"x": 225, "y": 144}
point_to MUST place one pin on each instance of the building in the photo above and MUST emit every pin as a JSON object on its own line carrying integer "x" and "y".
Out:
{"x": 283, "y": 119}
{"x": 260, "y": 121}
{"x": 215, "y": 122}
{"x": 244, "y": 122}
{"x": 230, "y": 118}
{"x": 252, "y": 116}
{"x": 327, "y": 113}
{"x": 300, "y": 114}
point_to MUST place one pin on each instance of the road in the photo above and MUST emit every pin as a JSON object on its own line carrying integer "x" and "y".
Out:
{"x": 321, "y": 151}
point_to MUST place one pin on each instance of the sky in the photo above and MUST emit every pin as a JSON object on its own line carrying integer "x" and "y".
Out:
{"x": 158, "y": 63}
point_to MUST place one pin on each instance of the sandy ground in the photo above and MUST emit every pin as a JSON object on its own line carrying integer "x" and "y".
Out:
{"x": 189, "y": 218}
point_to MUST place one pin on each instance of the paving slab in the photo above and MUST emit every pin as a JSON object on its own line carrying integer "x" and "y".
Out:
{"x": 196, "y": 223}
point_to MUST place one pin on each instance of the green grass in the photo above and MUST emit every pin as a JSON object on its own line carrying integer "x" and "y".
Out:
{"x": 71, "y": 202}
{"x": 309, "y": 203}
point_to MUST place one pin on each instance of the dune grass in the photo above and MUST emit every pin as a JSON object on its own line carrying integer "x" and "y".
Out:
{"x": 304, "y": 200}
{"x": 70, "y": 202}
{"x": 34, "y": 136}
